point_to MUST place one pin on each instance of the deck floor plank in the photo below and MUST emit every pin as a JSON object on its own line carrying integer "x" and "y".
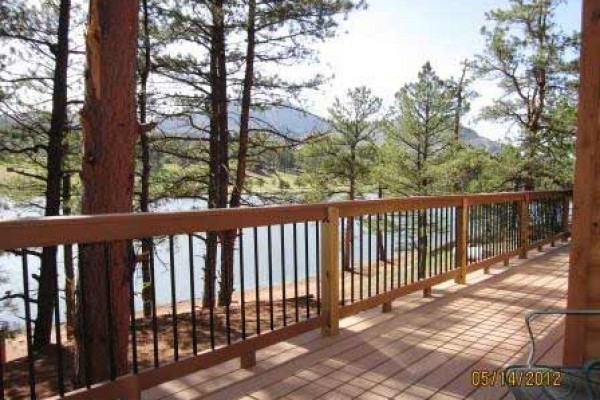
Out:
{"x": 426, "y": 348}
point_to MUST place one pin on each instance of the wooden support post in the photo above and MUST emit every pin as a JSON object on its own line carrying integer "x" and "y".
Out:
{"x": 427, "y": 292}
{"x": 582, "y": 335}
{"x": 248, "y": 360}
{"x": 330, "y": 271}
{"x": 507, "y": 262}
{"x": 461, "y": 226}
{"x": 386, "y": 307}
{"x": 524, "y": 226}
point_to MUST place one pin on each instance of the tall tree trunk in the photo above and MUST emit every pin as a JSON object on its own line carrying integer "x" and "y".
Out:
{"x": 68, "y": 262}
{"x": 48, "y": 275}
{"x": 110, "y": 132}
{"x": 218, "y": 172}
{"x": 220, "y": 116}
{"x": 145, "y": 156}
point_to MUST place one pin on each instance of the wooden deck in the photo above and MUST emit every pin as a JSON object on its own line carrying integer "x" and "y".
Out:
{"x": 423, "y": 349}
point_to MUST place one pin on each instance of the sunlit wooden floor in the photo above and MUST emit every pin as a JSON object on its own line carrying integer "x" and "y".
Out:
{"x": 424, "y": 349}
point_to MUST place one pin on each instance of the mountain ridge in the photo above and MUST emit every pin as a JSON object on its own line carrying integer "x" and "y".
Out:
{"x": 293, "y": 123}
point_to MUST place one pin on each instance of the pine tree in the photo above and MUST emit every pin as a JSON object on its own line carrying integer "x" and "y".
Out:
{"x": 38, "y": 136}
{"x": 535, "y": 64}
{"x": 418, "y": 137}
{"x": 110, "y": 132}
{"x": 342, "y": 161}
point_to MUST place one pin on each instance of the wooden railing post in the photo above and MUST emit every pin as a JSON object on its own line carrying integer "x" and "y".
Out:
{"x": 330, "y": 245}
{"x": 461, "y": 229}
{"x": 524, "y": 226}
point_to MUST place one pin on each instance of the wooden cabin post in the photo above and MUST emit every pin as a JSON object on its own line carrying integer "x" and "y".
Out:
{"x": 582, "y": 335}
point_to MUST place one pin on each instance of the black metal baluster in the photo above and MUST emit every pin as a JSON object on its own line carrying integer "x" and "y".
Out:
{"x": 318, "y": 277}
{"x": 360, "y": 256}
{"x": 270, "y": 263}
{"x": 59, "y": 346}
{"x": 498, "y": 224}
{"x": 307, "y": 272}
{"x": 472, "y": 238}
{"x": 405, "y": 213}
{"x": 173, "y": 299}
{"x": 450, "y": 218}
{"x": 295, "y": 239}
{"x": 154, "y": 316}
{"x": 242, "y": 285}
{"x": 435, "y": 240}
{"x": 547, "y": 213}
{"x": 412, "y": 247}
{"x": 256, "y": 280}
{"x": 228, "y": 323}
{"x": 378, "y": 248}
{"x": 474, "y": 217}
{"x": 499, "y": 227}
{"x": 392, "y": 248}
{"x": 27, "y": 304}
{"x": 384, "y": 248}
{"x": 502, "y": 227}
{"x": 443, "y": 239}
{"x": 447, "y": 252}
{"x": 352, "y": 259}
{"x": 133, "y": 321}
{"x": 369, "y": 254}
{"x": 111, "y": 345}
{"x": 193, "y": 294}
{"x": 493, "y": 231}
{"x": 211, "y": 309}
{"x": 343, "y": 258}
{"x": 484, "y": 210}
{"x": 514, "y": 225}
{"x": 482, "y": 228}
{"x": 283, "y": 296}
{"x": 430, "y": 271}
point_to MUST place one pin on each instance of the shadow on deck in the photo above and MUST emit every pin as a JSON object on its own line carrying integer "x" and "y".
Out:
{"x": 424, "y": 349}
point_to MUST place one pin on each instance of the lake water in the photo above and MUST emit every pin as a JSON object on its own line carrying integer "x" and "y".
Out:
{"x": 289, "y": 260}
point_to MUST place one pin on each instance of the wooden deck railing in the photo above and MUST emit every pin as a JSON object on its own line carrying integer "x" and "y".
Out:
{"x": 297, "y": 268}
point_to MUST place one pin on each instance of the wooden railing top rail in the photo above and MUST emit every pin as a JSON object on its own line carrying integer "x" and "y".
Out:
{"x": 51, "y": 231}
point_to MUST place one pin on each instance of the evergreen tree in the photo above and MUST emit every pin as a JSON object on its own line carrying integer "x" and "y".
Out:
{"x": 37, "y": 36}
{"x": 418, "y": 140}
{"x": 535, "y": 63}
{"x": 342, "y": 161}
{"x": 418, "y": 136}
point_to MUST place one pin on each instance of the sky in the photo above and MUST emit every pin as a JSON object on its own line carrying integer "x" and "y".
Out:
{"x": 384, "y": 47}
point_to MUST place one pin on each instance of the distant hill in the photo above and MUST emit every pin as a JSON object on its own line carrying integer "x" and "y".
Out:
{"x": 473, "y": 138}
{"x": 294, "y": 123}
{"x": 287, "y": 121}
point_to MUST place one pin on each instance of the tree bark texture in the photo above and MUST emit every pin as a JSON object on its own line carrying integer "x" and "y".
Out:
{"x": 109, "y": 135}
